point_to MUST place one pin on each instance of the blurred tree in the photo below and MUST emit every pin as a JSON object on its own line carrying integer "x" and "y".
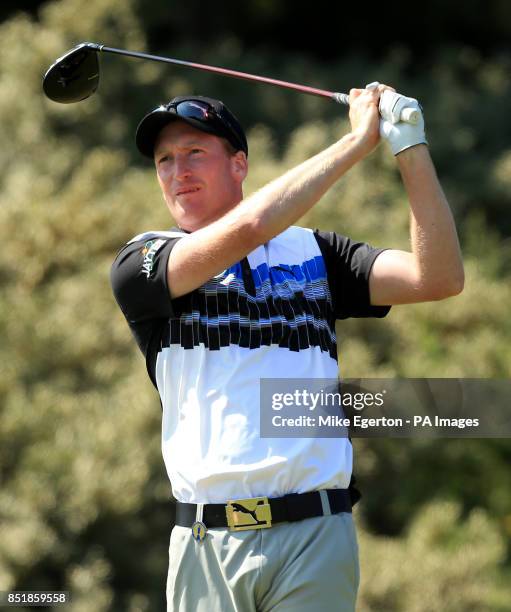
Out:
{"x": 443, "y": 563}
{"x": 324, "y": 32}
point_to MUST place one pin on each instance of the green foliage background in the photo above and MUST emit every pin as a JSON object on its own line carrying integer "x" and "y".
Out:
{"x": 84, "y": 500}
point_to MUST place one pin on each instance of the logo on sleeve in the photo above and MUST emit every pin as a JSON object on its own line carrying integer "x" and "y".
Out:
{"x": 149, "y": 251}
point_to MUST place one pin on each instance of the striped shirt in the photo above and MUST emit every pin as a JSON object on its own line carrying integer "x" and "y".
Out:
{"x": 270, "y": 315}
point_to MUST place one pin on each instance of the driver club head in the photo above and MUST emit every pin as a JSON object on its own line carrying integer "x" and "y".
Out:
{"x": 74, "y": 76}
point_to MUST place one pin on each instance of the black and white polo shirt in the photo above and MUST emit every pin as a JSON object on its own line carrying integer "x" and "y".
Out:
{"x": 270, "y": 315}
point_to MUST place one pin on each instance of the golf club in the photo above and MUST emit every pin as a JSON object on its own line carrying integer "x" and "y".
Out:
{"x": 75, "y": 76}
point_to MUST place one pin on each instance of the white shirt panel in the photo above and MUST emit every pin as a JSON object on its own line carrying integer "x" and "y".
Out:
{"x": 211, "y": 421}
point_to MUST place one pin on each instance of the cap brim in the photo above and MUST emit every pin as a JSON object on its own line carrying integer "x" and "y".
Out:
{"x": 152, "y": 124}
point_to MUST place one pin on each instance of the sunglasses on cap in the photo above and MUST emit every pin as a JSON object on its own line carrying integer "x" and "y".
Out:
{"x": 206, "y": 113}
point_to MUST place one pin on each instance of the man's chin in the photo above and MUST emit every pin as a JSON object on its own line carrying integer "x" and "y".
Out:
{"x": 189, "y": 223}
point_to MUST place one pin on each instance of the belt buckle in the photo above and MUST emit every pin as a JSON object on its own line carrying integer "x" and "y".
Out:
{"x": 252, "y": 513}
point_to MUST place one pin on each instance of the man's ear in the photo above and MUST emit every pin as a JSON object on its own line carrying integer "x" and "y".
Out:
{"x": 239, "y": 165}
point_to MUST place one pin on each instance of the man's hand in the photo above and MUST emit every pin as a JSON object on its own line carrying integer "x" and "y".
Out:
{"x": 365, "y": 116}
{"x": 400, "y": 135}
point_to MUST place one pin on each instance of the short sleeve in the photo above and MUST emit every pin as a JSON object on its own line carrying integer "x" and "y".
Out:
{"x": 139, "y": 282}
{"x": 139, "y": 278}
{"x": 348, "y": 265}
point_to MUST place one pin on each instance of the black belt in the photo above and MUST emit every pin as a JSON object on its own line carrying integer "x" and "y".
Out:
{"x": 292, "y": 507}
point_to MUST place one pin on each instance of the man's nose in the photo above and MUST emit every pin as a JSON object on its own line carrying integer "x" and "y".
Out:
{"x": 181, "y": 168}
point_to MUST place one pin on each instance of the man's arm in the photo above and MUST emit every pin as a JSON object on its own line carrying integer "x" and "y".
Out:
{"x": 434, "y": 268}
{"x": 265, "y": 214}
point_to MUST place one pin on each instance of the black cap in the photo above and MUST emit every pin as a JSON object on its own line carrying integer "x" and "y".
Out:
{"x": 219, "y": 121}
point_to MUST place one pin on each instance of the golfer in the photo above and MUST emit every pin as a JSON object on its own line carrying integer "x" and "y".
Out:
{"x": 237, "y": 293}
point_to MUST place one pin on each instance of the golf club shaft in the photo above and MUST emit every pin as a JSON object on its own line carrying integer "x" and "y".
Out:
{"x": 341, "y": 98}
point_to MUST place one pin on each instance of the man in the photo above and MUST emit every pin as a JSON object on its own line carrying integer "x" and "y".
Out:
{"x": 237, "y": 294}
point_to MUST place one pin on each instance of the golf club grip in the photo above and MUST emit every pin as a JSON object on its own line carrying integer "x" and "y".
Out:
{"x": 408, "y": 114}
{"x": 341, "y": 98}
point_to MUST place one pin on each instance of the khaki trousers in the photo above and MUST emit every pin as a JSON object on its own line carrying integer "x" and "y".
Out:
{"x": 305, "y": 566}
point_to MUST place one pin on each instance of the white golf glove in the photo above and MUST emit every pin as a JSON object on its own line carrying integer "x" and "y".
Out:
{"x": 398, "y": 134}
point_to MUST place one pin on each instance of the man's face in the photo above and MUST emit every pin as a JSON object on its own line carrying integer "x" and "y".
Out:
{"x": 199, "y": 179}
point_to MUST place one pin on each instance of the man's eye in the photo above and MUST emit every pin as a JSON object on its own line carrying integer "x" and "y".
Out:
{"x": 163, "y": 159}
{"x": 195, "y": 151}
